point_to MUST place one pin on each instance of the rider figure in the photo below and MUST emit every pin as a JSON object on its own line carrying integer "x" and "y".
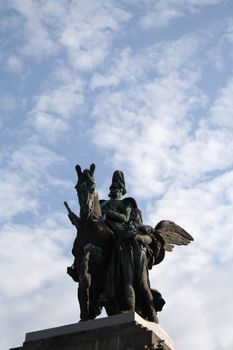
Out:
{"x": 115, "y": 210}
{"x": 128, "y": 265}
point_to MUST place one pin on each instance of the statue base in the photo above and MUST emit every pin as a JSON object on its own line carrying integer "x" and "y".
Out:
{"x": 126, "y": 331}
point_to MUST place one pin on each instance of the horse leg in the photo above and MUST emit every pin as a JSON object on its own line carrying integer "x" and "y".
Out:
{"x": 98, "y": 276}
{"x": 84, "y": 285}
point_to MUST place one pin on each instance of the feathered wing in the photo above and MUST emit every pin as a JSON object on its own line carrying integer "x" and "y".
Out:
{"x": 172, "y": 234}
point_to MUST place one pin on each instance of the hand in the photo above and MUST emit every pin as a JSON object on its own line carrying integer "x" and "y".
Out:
{"x": 144, "y": 239}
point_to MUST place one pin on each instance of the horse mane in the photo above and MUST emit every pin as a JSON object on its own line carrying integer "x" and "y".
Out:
{"x": 96, "y": 209}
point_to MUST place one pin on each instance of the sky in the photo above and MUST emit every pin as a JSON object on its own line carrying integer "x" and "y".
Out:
{"x": 145, "y": 87}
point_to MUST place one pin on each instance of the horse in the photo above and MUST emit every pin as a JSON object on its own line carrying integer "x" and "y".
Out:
{"x": 92, "y": 248}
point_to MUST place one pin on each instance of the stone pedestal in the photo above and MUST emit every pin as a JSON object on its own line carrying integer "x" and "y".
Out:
{"x": 120, "y": 332}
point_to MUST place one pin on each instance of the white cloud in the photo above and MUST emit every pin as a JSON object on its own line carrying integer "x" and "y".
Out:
{"x": 90, "y": 52}
{"x": 150, "y": 118}
{"x": 61, "y": 101}
{"x": 163, "y": 58}
{"x": 192, "y": 283}
{"x": 26, "y": 172}
{"x": 10, "y": 103}
{"x": 186, "y": 204}
{"x": 160, "y": 17}
{"x": 38, "y": 42}
{"x": 221, "y": 113}
{"x": 87, "y": 37}
{"x": 33, "y": 250}
{"x": 15, "y": 196}
{"x": 184, "y": 149}
{"x": 125, "y": 68}
{"x": 33, "y": 159}
{"x": 49, "y": 126}
{"x": 161, "y": 12}
{"x": 14, "y": 64}
{"x": 54, "y": 108}
{"x": 229, "y": 33}
{"x": 192, "y": 278}
{"x": 82, "y": 29}
{"x": 33, "y": 263}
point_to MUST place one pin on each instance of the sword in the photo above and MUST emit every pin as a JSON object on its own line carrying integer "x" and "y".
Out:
{"x": 67, "y": 207}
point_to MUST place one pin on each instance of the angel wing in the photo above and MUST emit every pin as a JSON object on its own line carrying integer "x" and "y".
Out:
{"x": 172, "y": 234}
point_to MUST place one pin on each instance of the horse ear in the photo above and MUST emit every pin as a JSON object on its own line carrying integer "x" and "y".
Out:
{"x": 92, "y": 169}
{"x": 78, "y": 170}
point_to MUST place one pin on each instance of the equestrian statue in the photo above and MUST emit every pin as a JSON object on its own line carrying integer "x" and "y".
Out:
{"x": 113, "y": 250}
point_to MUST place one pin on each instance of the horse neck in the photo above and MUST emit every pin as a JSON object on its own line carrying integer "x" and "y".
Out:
{"x": 96, "y": 209}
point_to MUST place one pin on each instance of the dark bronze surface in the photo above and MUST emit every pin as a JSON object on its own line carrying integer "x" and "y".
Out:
{"x": 114, "y": 250}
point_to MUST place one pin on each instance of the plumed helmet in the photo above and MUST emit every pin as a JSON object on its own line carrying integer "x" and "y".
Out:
{"x": 118, "y": 180}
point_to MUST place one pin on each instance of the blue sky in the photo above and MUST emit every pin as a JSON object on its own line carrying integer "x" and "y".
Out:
{"x": 141, "y": 86}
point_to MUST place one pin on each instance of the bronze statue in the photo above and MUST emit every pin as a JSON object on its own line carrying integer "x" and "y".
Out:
{"x": 114, "y": 250}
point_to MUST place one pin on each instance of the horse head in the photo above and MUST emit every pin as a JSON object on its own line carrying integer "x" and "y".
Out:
{"x": 86, "y": 191}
